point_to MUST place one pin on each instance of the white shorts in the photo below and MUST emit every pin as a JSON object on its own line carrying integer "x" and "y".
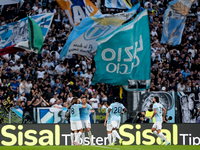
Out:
{"x": 115, "y": 124}
{"x": 76, "y": 125}
{"x": 157, "y": 125}
{"x": 86, "y": 124}
{"x": 109, "y": 127}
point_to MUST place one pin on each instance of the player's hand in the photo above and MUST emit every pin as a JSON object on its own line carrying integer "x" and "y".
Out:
{"x": 164, "y": 119}
{"x": 105, "y": 123}
{"x": 151, "y": 117}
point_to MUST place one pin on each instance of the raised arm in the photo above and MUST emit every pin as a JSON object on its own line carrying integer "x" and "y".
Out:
{"x": 44, "y": 101}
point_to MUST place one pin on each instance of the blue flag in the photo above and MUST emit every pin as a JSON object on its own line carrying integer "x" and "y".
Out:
{"x": 82, "y": 40}
{"x": 174, "y": 21}
{"x": 119, "y": 4}
{"x": 125, "y": 54}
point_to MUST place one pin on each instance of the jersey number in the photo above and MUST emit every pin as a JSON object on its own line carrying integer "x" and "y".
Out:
{"x": 160, "y": 111}
{"x": 117, "y": 110}
{"x": 72, "y": 111}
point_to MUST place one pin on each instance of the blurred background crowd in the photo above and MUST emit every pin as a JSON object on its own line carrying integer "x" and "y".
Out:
{"x": 45, "y": 80}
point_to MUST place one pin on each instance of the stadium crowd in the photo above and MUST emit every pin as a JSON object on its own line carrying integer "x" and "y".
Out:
{"x": 39, "y": 80}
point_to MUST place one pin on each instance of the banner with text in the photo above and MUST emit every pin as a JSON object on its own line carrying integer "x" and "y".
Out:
{"x": 82, "y": 39}
{"x": 77, "y": 10}
{"x": 124, "y": 55}
{"x": 60, "y": 134}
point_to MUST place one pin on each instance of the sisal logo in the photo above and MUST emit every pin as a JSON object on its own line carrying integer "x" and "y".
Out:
{"x": 15, "y": 135}
{"x": 133, "y": 134}
{"x": 140, "y": 136}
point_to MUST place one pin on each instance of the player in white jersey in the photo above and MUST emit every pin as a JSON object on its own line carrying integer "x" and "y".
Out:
{"x": 116, "y": 109}
{"x": 75, "y": 120}
{"x": 108, "y": 124}
{"x": 85, "y": 120}
{"x": 159, "y": 114}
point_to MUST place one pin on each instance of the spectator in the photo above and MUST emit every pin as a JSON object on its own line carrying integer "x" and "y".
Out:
{"x": 14, "y": 86}
{"x": 22, "y": 86}
{"x": 53, "y": 100}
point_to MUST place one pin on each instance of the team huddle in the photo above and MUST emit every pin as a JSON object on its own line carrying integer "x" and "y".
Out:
{"x": 80, "y": 119}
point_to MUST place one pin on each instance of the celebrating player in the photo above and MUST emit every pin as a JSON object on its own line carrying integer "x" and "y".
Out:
{"x": 85, "y": 120}
{"x": 159, "y": 113}
{"x": 107, "y": 123}
{"x": 115, "y": 110}
{"x": 75, "y": 120}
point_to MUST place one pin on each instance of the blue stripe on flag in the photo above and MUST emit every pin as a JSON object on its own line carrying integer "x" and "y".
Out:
{"x": 43, "y": 112}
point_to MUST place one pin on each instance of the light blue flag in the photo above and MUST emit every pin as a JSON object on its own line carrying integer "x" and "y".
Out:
{"x": 119, "y": 4}
{"x": 125, "y": 54}
{"x": 82, "y": 40}
{"x": 174, "y": 21}
{"x": 9, "y": 2}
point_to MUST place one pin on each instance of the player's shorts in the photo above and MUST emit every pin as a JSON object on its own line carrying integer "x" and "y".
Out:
{"x": 157, "y": 125}
{"x": 115, "y": 124}
{"x": 86, "y": 124}
{"x": 109, "y": 127}
{"x": 76, "y": 125}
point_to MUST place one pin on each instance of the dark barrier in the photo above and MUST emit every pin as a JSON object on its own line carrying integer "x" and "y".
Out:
{"x": 133, "y": 134}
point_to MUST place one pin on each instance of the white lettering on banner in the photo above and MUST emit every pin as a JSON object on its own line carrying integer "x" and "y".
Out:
{"x": 88, "y": 10}
{"x": 118, "y": 66}
{"x": 78, "y": 14}
{"x": 127, "y": 50}
{"x": 103, "y": 54}
{"x": 107, "y": 68}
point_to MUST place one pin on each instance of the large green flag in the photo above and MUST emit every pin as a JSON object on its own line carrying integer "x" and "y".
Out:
{"x": 124, "y": 55}
{"x": 35, "y": 35}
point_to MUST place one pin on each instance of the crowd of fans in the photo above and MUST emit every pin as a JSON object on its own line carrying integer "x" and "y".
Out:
{"x": 39, "y": 80}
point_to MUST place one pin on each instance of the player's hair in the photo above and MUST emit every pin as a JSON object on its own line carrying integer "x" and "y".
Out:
{"x": 75, "y": 99}
{"x": 108, "y": 103}
{"x": 117, "y": 99}
{"x": 83, "y": 97}
{"x": 157, "y": 99}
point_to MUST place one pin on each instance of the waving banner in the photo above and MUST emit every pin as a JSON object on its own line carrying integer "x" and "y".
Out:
{"x": 14, "y": 33}
{"x": 82, "y": 40}
{"x": 9, "y": 2}
{"x": 174, "y": 21}
{"x": 77, "y": 10}
{"x": 124, "y": 54}
{"x": 120, "y": 4}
